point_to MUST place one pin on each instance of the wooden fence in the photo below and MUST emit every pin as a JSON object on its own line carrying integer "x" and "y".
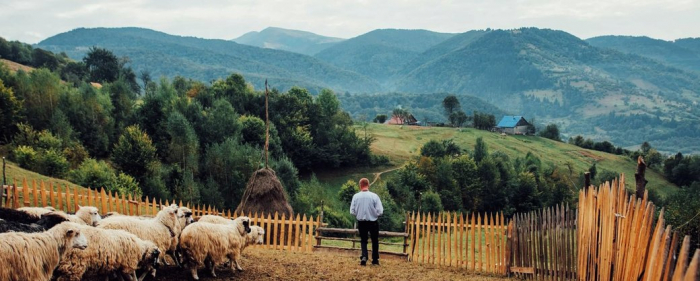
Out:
{"x": 543, "y": 244}
{"x": 617, "y": 239}
{"x": 281, "y": 233}
{"x": 476, "y": 242}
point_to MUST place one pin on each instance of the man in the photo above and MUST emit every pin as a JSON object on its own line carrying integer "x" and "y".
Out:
{"x": 367, "y": 207}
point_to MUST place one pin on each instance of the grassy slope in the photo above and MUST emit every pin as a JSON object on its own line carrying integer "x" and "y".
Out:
{"x": 400, "y": 144}
{"x": 15, "y": 174}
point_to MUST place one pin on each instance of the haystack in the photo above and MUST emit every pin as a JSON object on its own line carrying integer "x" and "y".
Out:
{"x": 264, "y": 194}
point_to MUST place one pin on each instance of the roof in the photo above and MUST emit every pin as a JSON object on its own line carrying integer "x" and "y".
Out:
{"x": 512, "y": 122}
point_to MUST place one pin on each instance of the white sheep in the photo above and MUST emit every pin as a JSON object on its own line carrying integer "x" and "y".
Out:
{"x": 256, "y": 236}
{"x": 209, "y": 244}
{"x": 161, "y": 229}
{"x": 34, "y": 256}
{"x": 184, "y": 216}
{"x": 84, "y": 215}
{"x": 111, "y": 251}
{"x": 37, "y": 211}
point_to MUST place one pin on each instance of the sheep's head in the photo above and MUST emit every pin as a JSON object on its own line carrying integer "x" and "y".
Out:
{"x": 168, "y": 217}
{"x": 184, "y": 215}
{"x": 150, "y": 255}
{"x": 73, "y": 236}
{"x": 243, "y": 222}
{"x": 90, "y": 214}
{"x": 256, "y": 235}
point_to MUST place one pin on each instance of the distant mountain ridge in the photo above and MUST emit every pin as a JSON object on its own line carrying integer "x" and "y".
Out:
{"x": 682, "y": 53}
{"x": 302, "y": 42}
{"x": 598, "y": 92}
{"x": 207, "y": 59}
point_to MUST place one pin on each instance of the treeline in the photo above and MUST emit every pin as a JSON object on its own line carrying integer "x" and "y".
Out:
{"x": 181, "y": 139}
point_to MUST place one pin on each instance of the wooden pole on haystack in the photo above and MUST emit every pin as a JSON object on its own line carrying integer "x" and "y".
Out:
{"x": 267, "y": 125}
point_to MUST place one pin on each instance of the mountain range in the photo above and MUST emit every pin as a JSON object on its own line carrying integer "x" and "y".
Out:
{"x": 624, "y": 89}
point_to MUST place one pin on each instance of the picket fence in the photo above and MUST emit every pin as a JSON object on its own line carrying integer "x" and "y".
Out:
{"x": 476, "y": 242}
{"x": 295, "y": 234}
{"x": 610, "y": 236}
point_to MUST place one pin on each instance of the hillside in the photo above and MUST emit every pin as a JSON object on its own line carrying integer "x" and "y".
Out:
{"x": 678, "y": 53}
{"x": 560, "y": 78}
{"x": 402, "y": 144}
{"x": 297, "y": 41}
{"x": 208, "y": 59}
{"x": 13, "y": 66}
{"x": 381, "y": 53}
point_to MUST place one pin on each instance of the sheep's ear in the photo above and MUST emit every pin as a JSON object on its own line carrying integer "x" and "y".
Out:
{"x": 70, "y": 232}
{"x": 79, "y": 207}
{"x": 162, "y": 207}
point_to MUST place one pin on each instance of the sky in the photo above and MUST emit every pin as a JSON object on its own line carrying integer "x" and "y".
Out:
{"x": 35, "y": 20}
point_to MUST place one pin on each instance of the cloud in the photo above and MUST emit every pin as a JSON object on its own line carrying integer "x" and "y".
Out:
{"x": 32, "y": 21}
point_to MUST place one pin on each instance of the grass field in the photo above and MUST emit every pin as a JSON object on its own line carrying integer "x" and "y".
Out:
{"x": 402, "y": 143}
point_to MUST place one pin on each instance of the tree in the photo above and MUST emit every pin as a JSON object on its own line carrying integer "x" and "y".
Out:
{"x": 451, "y": 105}
{"x": 102, "y": 65}
{"x": 593, "y": 171}
{"x": 9, "y": 113}
{"x": 134, "y": 153}
{"x": 433, "y": 148}
{"x": 380, "y": 118}
{"x": 184, "y": 145}
{"x": 431, "y": 203}
{"x": 481, "y": 151}
{"x": 458, "y": 118}
{"x": 347, "y": 191}
{"x": 551, "y": 132}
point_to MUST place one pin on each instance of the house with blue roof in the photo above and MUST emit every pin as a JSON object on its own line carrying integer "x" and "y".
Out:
{"x": 514, "y": 125}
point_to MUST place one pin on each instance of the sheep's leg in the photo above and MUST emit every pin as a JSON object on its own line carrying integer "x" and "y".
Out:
{"x": 210, "y": 266}
{"x": 173, "y": 255}
{"x": 194, "y": 274}
{"x": 237, "y": 260}
{"x": 143, "y": 275}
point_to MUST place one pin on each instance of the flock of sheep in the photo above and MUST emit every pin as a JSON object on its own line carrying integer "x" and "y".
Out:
{"x": 45, "y": 244}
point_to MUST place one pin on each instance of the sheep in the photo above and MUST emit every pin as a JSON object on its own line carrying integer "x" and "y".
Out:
{"x": 46, "y": 221}
{"x": 84, "y": 215}
{"x": 160, "y": 229}
{"x": 184, "y": 216}
{"x": 37, "y": 211}
{"x": 111, "y": 251}
{"x": 18, "y": 216}
{"x": 34, "y": 256}
{"x": 256, "y": 236}
{"x": 213, "y": 244}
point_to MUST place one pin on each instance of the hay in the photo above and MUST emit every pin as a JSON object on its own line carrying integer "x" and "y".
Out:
{"x": 264, "y": 194}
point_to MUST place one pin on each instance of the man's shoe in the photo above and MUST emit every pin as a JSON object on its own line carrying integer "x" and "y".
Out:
{"x": 363, "y": 261}
{"x": 375, "y": 262}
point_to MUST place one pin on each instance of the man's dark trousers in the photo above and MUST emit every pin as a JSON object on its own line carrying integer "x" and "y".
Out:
{"x": 371, "y": 227}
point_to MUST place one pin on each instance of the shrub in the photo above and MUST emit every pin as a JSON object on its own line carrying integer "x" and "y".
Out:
{"x": 25, "y": 156}
{"x": 75, "y": 154}
{"x": 347, "y": 191}
{"x": 431, "y": 202}
{"x": 94, "y": 174}
{"x": 126, "y": 184}
{"x": 52, "y": 163}
{"x": 46, "y": 140}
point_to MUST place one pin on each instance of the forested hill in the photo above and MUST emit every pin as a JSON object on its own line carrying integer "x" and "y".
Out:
{"x": 297, "y": 41}
{"x": 208, "y": 59}
{"x": 682, "y": 53}
{"x": 382, "y": 52}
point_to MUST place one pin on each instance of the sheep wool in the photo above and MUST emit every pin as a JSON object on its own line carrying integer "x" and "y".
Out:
{"x": 213, "y": 244}
{"x": 160, "y": 229}
{"x": 111, "y": 251}
{"x": 86, "y": 215}
{"x": 34, "y": 256}
{"x": 37, "y": 211}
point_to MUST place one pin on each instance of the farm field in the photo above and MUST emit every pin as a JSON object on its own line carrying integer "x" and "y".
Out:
{"x": 402, "y": 143}
{"x": 264, "y": 265}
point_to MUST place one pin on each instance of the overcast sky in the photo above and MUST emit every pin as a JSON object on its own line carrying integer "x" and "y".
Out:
{"x": 31, "y": 21}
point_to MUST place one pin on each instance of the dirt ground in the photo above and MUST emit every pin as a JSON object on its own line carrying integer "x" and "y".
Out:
{"x": 264, "y": 265}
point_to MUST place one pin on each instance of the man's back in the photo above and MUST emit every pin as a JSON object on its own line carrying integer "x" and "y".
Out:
{"x": 366, "y": 206}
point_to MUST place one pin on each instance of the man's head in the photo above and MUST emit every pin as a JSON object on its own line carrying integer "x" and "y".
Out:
{"x": 364, "y": 184}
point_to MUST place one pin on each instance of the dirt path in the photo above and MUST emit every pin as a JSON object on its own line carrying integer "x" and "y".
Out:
{"x": 379, "y": 174}
{"x": 269, "y": 265}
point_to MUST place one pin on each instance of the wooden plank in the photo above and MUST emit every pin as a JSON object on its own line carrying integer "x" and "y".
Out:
{"x": 692, "y": 273}
{"x": 25, "y": 193}
{"x": 429, "y": 245}
{"x": 523, "y": 270}
{"x": 35, "y": 193}
{"x": 298, "y": 234}
{"x": 473, "y": 243}
{"x": 439, "y": 245}
{"x": 681, "y": 265}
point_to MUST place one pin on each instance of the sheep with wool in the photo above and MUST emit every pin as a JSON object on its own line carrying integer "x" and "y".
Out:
{"x": 34, "y": 256}
{"x": 46, "y": 221}
{"x": 184, "y": 216}
{"x": 161, "y": 229}
{"x": 256, "y": 236}
{"x": 37, "y": 211}
{"x": 209, "y": 244}
{"x": 111, "y": 251}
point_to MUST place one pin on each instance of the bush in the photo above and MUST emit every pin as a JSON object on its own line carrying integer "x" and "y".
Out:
{"x": 52, "y": 163}
{"x": 94, "y": 174}
{"x": 46, "y": 140}
{"x": 379, "y": 160}
{"x": 75, "y": 154}
{"x": 431, "y": 202}
{"x": 126, "y": 184}
{"x": 25, "y": 156}
{"x": 347, "y": 191}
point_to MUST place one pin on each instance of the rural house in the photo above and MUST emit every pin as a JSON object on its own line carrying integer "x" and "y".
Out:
{"x": 514, "y": 125}
{"x": 397, "y": 120}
